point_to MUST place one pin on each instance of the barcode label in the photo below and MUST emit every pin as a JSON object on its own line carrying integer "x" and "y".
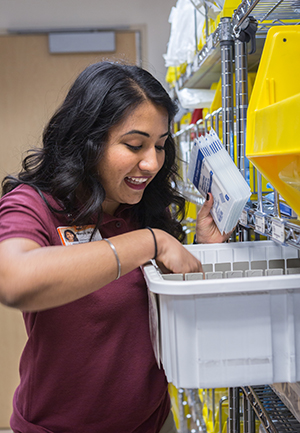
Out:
{"x": 244, "y": 218}
{"x": 278, "y": 231}
{"x": 260, "y": 223}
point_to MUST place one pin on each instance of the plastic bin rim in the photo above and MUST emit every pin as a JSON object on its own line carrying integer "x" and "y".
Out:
{"x": 245, "y": 244}
{"x": 228, "y": 286}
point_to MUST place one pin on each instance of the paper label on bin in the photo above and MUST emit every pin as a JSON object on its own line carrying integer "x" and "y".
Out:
{"x": 260, "y": 223}
{"x": 278, "y": 231}
{"x": 244, "y": 218}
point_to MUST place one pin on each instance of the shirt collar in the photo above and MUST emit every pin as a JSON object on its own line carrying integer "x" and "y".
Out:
{"x": 121, "y": 212}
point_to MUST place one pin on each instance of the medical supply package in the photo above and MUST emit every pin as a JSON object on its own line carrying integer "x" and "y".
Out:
{"x": 211, "y": 169}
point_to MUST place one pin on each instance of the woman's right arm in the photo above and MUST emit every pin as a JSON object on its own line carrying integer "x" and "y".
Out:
{"x": 34, "y": 278}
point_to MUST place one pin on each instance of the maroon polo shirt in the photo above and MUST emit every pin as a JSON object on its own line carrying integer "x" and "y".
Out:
{"x": 88, "y": 366}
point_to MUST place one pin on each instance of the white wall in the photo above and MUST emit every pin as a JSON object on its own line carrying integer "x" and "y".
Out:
{"x": 151, "y": 16}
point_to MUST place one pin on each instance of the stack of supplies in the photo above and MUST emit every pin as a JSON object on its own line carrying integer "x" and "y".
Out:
{"x": 211, "y": 169}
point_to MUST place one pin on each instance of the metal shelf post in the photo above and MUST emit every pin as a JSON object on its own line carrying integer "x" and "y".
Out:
{"x": 241, "y": 92}
{"x": 234, "y": 410}
{"x": 226, "y": 44}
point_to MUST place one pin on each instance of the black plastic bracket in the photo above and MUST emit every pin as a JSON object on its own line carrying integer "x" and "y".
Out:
{"x": 248, "y": 31}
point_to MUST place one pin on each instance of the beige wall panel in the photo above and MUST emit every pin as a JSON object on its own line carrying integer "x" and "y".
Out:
{"x": 12, "y": 339}
{"x": 32, "y": 85}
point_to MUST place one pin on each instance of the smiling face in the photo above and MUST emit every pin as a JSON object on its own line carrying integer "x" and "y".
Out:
{"x": 69, "y": 236}
{"x": 134, "y": 154}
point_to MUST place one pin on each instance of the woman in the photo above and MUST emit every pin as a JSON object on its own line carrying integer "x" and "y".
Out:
{"x": 107, "y": 163}
{"x": 70, "y": 236}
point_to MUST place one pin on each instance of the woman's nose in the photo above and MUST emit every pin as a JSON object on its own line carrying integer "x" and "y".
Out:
{"x": 151, "y": 161}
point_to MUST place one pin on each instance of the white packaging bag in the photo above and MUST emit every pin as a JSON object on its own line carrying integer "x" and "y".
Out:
{"x": 195, "y": 98}
{"x": 182, "y": 44}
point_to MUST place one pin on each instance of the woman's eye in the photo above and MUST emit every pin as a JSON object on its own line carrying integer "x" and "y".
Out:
{"x": 160, "y": 148}
{"x": 134, "y": 148}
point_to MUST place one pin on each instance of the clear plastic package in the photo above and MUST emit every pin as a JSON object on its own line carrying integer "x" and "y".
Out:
{"x": 211, "y": 169}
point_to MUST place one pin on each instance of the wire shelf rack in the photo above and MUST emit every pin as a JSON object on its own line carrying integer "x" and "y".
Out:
{"x": 206, "y": 69}
{"x": 267, "y": 13}
{"x": 270, "y": 410}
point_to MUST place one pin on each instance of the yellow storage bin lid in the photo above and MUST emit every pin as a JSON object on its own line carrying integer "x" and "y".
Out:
{"x": 273, "y": 126}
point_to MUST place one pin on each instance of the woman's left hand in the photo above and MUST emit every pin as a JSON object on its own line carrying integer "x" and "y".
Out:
{"x": 206, "y": 230}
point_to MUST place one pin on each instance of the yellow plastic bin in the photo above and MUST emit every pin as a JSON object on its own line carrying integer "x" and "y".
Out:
{"x": 273, "y": 124}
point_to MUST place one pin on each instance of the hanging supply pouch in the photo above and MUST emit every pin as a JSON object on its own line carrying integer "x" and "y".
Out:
{"x": 211, "y": 169}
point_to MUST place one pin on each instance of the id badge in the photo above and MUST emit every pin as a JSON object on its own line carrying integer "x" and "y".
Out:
{"x": 72, "y": 235}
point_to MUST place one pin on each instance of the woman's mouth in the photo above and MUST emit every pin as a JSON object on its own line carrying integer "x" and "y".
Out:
{"x": 136, "y": 182}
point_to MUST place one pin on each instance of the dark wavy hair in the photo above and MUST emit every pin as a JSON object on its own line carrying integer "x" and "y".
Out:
{"x": 73, "y": 142}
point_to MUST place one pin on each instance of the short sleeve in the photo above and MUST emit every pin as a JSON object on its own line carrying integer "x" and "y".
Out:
{"x": 24, "y": 214}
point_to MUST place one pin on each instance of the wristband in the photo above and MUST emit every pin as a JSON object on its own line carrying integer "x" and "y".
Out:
{"x": 155, "y": 243}
{"x": 116, "y": 255}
